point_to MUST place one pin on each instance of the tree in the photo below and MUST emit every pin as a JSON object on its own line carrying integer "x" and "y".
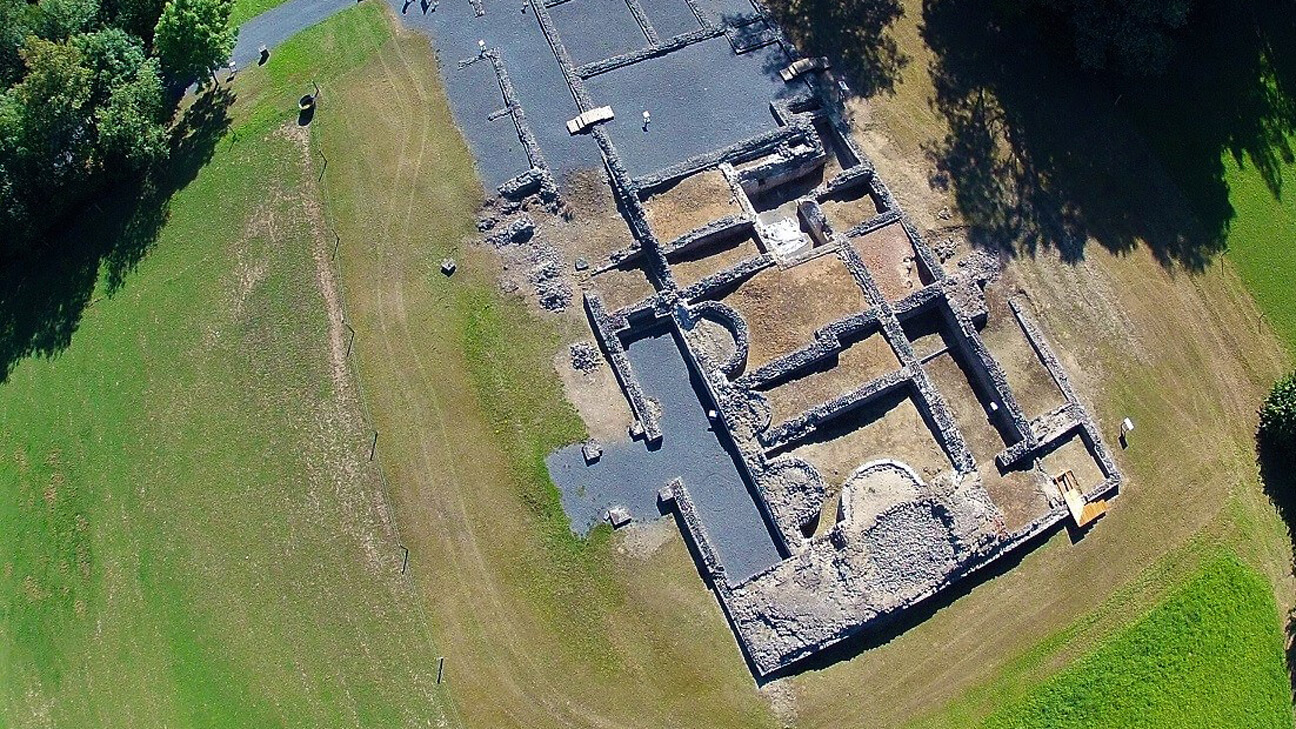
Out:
{"x": 1278, "y": 417}
{"x": 46, "y": 138}
{"x": 113, "y": 55}
{"x": 61, "y": 19}
{"x": 16, "y": 20}
{"x": 137, "y": 17}
{"x": 1133, "y": 37}
{"x": 51, "y": 114}
{"x": 193, "y": 37}
{"x": 131, "y": 126}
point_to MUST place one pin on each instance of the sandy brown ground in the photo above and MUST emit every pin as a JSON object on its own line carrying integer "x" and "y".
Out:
{"x": 597, "y": 397}
{"x": 622, "y": 286}
{"x": 891, "y": 259}
{"x": 860, "y": 362}
{"x": 593, "y": 227}
{"x": 848, "y": 208}
{"x": 1074, "y": 456}
{"x": 891, "y": 427}
{"x": 833, "y": 146}
{"x": 690, "y": 204}
{"x": 694, "y": 265}
{"x": 955, "y": 387}
{"x": 927, "y": 334}
{"x": 1031, "y": 383}
{"x": 783, "y": 308}
{"x": 1016, "y": 493}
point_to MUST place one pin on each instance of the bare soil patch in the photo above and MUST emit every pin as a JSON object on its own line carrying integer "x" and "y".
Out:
{"x": 860, "y": 362}
{"x": 697, "y": 263}
{"x": 597, "y": 398}
{"x": 953, "y": 383}
{"x": 622, "y": 286}
{"x": 1074, "y": 456}
{"x": 1003, "y": 336}
{"x": 594, "y": 227}
{"x": 690, "y": 204}
{"x": 1016, "y": 493}
{"x": 890, "y": 427}
{"x": 847, "y": 208}
{"x": 891, "y": 259}
{"x": 784, "y": 307}
{"x": 927, "y": 333}
{"x": 643, "y": 540}
{"x": 838, "y": 156}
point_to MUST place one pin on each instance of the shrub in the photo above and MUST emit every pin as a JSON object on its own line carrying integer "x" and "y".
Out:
{"x": 1278, "y": 416}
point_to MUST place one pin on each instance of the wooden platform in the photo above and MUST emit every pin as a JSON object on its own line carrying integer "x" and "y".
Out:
{"x": 1082, "y": 512}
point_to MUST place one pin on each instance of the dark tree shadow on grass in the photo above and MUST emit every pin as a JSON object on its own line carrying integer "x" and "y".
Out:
{"x": 1278, "y": 475}
{"x": 1043, "y": 153}
{"x": 853, "y": 33}
{"x": 43, "y": 294}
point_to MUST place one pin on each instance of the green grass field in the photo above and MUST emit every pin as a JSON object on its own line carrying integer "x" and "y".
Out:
{"x": 1210, "y": 655}
{"x": 245, "y": 10}
{"x": 1262, "y": 242}
{"x": 191, "y": 534}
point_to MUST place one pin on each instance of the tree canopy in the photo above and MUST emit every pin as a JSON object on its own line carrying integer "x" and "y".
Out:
{"x": 193, "y": 36}
{"x": 83, "y": 102}
{"x": 1134, "y": 37}
{"x": 1278, "y": 416}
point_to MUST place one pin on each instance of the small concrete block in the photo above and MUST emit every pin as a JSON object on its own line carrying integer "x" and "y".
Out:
{"x": 581, "y": 264}
{"x": 636, "y": 429}
{"x": 592, "y": 450}
{"x": 618, "y": 517}
{"x": 448, "y": 266}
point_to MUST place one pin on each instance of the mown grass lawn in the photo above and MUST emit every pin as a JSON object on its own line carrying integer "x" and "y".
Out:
{"x": 1210, "y": 655}
{"x": 245, "y": 10}
{"x": 1262, "y": 242}
{"x": 190, "y": 531}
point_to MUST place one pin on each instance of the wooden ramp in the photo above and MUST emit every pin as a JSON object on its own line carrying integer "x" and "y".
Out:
{"x": 1082, "y": 512}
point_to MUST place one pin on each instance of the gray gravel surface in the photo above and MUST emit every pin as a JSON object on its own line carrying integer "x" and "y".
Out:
{"x": 596, "y": 29}
{"x": 702, "y": 98}
{"x": 278, "y": 24}
{"x": 630, "y": 474}
{"x": 541, "y": 87}
{"x": 670, "y": 17}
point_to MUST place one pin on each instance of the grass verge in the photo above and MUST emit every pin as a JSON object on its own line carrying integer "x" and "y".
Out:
{"x": 245, "y": 10}
{"x": 1260, "y": 242}
{"x": 191, "y": 533}
{"x": 1209, "y": 655}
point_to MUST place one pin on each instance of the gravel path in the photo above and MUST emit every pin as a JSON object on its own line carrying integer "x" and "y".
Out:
{"x": 280, "y": 23}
